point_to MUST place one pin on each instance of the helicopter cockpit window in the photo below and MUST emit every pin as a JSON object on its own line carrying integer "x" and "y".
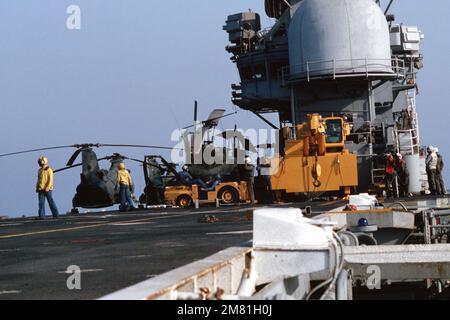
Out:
{"x": 334, "y": 131}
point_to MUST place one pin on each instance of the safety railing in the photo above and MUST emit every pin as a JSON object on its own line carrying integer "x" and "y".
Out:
{"x": 412, "y": 107}
{"x": 436, "y": 226}
{"x": 378, "y": 176}
{"x": 407, "y": 141}
{"x": 334, "y": 69}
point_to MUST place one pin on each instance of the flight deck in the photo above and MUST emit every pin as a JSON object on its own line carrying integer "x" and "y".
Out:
{"x": 113, "y": 250}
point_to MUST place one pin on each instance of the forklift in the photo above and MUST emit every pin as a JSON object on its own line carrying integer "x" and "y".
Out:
{"x": 226, "y": 193}
{"x": 164, "y": 187}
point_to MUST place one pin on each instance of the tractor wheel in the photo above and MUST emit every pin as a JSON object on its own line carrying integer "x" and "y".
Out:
{"x": 229, "y": 195}
{"x": 184, "y": 201}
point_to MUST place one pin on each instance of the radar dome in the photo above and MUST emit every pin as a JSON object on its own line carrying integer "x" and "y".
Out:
{"x": 339, "y": 37}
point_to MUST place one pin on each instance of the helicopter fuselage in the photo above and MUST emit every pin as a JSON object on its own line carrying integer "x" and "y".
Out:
{"x": 98, "y": 187}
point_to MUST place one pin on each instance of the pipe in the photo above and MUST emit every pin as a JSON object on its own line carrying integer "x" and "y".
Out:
{"x": 441, "y": 213}
{"x": 399, "y": 203}
{"x": 366, "y": 240}
{"x": 342, "y": 286}
{"x": 248, "y": 280}
{"x": 350, "y": 235}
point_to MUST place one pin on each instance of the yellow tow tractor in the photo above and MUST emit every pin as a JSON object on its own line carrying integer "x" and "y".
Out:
{"x": 164, "y": 186}
{"x": 226, "y": 193}
{"x": 316, "y": 160}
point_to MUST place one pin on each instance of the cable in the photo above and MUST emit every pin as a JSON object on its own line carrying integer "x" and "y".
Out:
{"x": 339, "y": 267}
{"x": 337, "y": 270}
{"x": 326, "y": 282}
{"x": 323, "y": 284}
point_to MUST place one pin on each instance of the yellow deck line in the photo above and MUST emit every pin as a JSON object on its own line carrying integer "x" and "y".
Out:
{"x": 18, "y": 235}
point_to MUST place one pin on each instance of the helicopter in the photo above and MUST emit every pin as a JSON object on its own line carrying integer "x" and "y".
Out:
{"x": 97, "y": 187}
{"x": 160, "y": 173}
{"x": 202, "y": 139}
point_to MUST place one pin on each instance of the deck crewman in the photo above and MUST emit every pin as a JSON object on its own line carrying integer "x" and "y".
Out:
{"x": 390, "y": 177}
{"x": 187, "y": 179}
{"x": 264, "y": 171}
{"x": 431, "y": 165}
{"x": 403, "y": 176}
{"x": 440, "y": 186}
{"x": 249, "y": 177}
{"x": 125, "y": 185}
{"x": 44, "y": 188}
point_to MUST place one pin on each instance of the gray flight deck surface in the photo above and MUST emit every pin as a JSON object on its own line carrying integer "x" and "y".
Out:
{"x": 113, "y": 250}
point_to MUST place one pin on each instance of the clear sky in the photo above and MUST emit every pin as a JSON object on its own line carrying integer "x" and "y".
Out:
{"x": 131, "y": 73}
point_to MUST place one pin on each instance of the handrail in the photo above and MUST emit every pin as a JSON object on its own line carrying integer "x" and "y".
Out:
{"x": 412, "y": 148}
{"x": 307, "y": 71}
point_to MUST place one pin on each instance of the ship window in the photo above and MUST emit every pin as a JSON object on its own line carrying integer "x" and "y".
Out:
{"x": 334, "y": 131}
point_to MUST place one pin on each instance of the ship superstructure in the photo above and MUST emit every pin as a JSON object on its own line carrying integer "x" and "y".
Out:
{"x": 334, "y": 57}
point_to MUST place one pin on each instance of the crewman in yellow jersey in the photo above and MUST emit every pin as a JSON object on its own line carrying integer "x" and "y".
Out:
{"x": 125, "y": 185}
{"x": 44, "y": 188}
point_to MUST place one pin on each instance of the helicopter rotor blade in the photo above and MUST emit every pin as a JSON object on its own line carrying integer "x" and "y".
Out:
{"x": 74, "y": 157}
{"x": 135, "y": 160}
{"x": 169, "y": 166}
{"x": 212, "y": 120}
{"x": 81, "y": 146}
{"x": 231, "y": 134}
{"x": 144, "y": 163}
{"x": 118, "y": 156}
{"x": 68, "y": 167}
{"x": 137, "y": 146}
{"x": 34, "y": 150}
{"x": 76, "y": 165}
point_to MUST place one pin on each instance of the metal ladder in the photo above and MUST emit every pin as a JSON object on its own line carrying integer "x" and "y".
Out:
{"x": 407, "y": 142}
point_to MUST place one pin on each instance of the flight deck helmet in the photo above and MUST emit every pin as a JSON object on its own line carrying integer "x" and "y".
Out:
{"x": 42, "y": 161}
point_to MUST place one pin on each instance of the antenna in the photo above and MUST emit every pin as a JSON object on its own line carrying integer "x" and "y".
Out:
{"x": 388, "y": 7}
{"x": 195, "y": 111}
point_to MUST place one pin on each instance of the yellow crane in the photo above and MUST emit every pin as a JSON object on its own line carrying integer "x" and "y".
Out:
{"x": 316, "y": 161}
